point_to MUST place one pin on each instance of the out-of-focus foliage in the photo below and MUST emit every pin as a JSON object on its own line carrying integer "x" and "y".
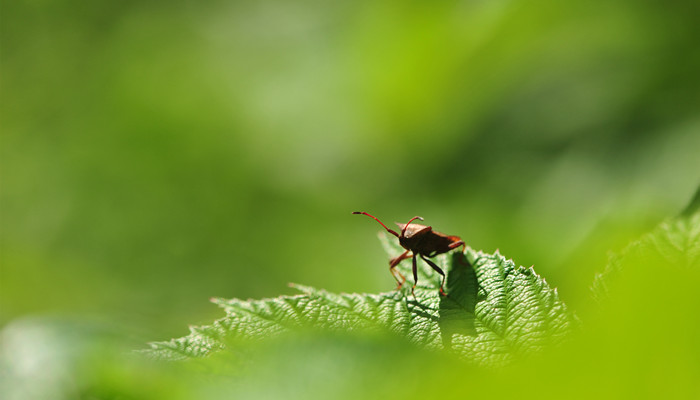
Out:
{"x": 157, "y": 154}
{"x": 675, "y": 243}
{"x": 209, "y": 144}
{"x": 494, "y": 311}
{"x": 641, "y": 342}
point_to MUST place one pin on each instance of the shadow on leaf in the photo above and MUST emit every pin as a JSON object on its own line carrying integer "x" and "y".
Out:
{"x": 457, "y": 309}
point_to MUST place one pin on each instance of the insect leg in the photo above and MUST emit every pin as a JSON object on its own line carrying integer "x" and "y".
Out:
{"x": 415, "y": 276}
{"x": 393, "y": 263}
{"x": 454, "y": 245}
{"x": 439, "y": 271}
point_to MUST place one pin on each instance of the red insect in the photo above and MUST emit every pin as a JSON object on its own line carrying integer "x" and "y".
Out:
{"x": 423, "y": 241}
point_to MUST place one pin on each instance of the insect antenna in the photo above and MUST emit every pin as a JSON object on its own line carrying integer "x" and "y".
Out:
{"x": 376, "y": 219}
{"x": 403, "y": 231}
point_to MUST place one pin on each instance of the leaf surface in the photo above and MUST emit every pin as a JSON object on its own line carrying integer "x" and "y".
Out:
{"x": 673, "y": 247}
{"x": 494, "y": 311}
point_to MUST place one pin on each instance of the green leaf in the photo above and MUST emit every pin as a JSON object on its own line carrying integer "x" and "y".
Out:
{"x": 675, "y": 243}
{"x": 494, "y": 311}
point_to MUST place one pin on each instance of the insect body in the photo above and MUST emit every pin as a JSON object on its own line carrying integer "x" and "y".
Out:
{"x": 419, "y": 240}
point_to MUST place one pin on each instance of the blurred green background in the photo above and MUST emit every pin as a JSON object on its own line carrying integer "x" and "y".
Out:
{"x": 155, "y": 154}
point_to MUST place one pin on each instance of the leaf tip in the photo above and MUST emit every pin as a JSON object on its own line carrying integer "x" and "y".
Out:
{"x": 302, "y": 288}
